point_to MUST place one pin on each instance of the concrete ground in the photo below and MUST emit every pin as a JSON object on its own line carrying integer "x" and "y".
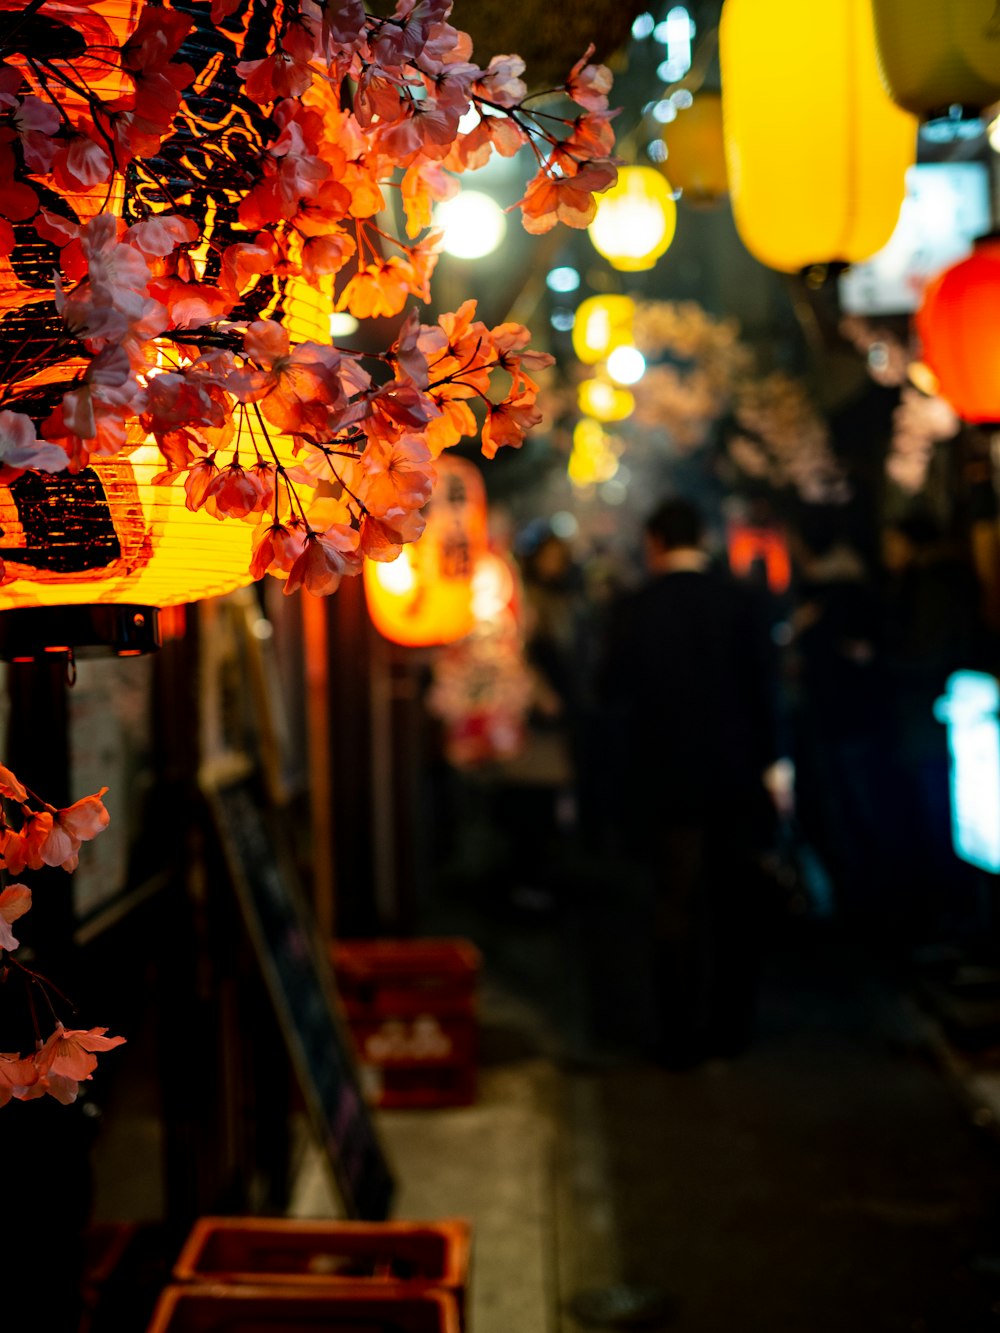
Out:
{"x": 831, "y": 1180}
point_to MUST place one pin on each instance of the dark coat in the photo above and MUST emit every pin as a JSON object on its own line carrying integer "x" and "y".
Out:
{"x": 690, "y": 690}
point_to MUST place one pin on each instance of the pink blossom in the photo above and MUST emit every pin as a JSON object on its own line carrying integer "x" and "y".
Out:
{"x": 15, "y": 900}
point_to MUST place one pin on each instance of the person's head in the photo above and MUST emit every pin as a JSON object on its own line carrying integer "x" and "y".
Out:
{"x": 675, "y": 525}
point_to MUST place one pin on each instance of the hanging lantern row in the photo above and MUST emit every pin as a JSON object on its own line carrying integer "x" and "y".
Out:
{"x": 816, "y": 150}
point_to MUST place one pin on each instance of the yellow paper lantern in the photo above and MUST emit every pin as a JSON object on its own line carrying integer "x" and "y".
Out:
{"x": 935, "y": 54}
{"x": 426, "y": 595}
{"x": 106, "y": 537}
{"x": 696, "y": 152}
{"x": 817, "y": 152}
{"x": 635, "y": 220}
{"x": 601, "y": 324}
{"x": 604, "y": 401}
{"x": 593, "y": 458}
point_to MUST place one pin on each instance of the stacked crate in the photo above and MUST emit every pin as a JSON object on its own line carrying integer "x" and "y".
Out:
{"x": 411, "y": 1009}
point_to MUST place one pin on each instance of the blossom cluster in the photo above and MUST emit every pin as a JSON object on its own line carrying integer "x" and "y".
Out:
{"x": 160, "y": 328}
{"x": 46, "y": 836}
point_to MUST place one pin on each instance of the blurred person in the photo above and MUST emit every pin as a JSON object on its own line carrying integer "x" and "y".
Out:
{"x": 691, "y": 689}
{"x": 538, "y": 792}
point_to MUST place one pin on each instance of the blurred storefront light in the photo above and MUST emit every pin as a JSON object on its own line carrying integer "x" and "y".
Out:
{"x": 635, "y": 220}
{"x": 969, "y": 709}
{"x": 816, "y": 150}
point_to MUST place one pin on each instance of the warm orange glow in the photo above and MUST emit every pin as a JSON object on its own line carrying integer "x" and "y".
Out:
{"x": 696, "y": 154}
{"x": 425, "y": 596}
{"x": 817, "y": 152}
{"x": 110, "y": 535}
{"x": 959, "y": 327}
{"x": 747, "y": 546}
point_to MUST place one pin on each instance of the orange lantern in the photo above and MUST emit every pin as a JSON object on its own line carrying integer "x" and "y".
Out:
{"x": 105, "y": 546}
{"x": 750, "y": 547}
{"x": 426, "y": 595}
{"x": 959, "y": 327}
{"x": 696, "y": 153}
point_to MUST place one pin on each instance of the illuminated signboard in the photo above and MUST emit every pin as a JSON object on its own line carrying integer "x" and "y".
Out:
{"x": 947, "y": 206}
{"x": 969, "y": 709}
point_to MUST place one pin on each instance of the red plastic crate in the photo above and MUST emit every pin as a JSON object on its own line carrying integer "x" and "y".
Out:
{"x": 235, "y": 1309}
{"x": 405, "y": 1257}
{"x": 411, "y": 1008}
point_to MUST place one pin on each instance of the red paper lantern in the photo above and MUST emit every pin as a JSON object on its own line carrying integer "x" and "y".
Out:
{"x": 959, "y": 326}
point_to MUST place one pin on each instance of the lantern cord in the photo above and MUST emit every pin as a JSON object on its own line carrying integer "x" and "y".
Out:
{"x": 70, "y": 668}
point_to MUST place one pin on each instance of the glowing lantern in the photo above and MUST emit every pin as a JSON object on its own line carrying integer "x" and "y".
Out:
{"x": 593, "y": 458}
{"x": 105, "y": 546}
{"x": 696, "y": 153}
{"x": 958, "y": 326}
{"x": 817, "y": 152}
{"x": 635, "y": 220}
{"x": 749, "y": 547}
{"x": 604, "y": 401}
{"x": 937, "y": 55}
{"x": 601, "y": 324}
{"x": 426, "y": 595}
{"x": 495, "y": 592}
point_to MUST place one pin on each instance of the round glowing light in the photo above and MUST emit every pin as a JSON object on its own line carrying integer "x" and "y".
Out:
{"x": 492, "y": 587}
{"x": 601, "y": 324}
{"x": 562, "y": 320}
{"x": 473, "y": 224}
{"x": 396, "y": 576}
{"x": 626, "y": 365}
{"x": 562, "y": 279}
{"x": 635, "y": 220}
{"x": 604, "y": 401}
{"x": 341, "y": 324}
{"x": 564, "y": 524}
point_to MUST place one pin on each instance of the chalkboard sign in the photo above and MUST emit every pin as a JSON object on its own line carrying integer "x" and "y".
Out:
{"x": 300, "y": 984}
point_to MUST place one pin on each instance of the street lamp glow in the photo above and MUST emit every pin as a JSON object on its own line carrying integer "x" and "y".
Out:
{"x": 473, "y": 224}
{"x": 626, "y": 365}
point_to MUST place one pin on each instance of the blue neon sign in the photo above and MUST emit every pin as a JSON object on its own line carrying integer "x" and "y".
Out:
{"x": 970, "y": 708}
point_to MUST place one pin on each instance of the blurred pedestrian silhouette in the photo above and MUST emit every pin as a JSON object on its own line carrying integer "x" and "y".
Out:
{"x": 690, "y": 689}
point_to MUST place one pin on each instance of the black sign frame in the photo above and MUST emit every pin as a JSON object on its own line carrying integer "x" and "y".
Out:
{"x": 299, "y": 981}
